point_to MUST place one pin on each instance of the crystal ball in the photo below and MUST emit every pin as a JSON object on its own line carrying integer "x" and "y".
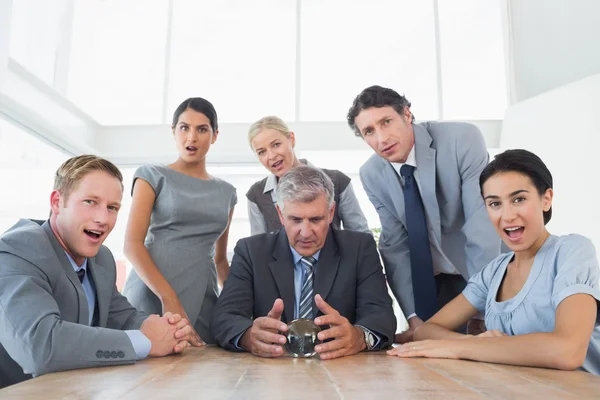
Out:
{"x": 302, "y": 338}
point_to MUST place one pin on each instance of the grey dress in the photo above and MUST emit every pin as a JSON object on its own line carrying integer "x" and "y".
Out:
{"x": 188, "y": 217}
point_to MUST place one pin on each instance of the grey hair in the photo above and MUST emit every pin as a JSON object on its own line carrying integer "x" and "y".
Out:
{"x": 304, "y": 184}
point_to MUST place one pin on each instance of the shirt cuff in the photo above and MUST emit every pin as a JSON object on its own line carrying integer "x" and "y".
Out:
{"x": 141, "y": 344}
{"x": 411, "y": 315}
{"x": 236, "y": 340}
{"x": 376, "y": 336}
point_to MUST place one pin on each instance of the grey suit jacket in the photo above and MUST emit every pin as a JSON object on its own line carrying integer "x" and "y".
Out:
{"x": 348, "y": 276}
{"x": 450, "y": 157}
{"x": 44, "y": 313}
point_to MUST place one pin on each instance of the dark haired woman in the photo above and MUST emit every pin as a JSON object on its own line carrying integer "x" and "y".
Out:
{"x": 177, "y": 230}
{"x": 540, "y": 300}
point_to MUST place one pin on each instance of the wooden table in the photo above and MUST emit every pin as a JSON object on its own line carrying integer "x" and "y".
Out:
{"x": 213, "y": 373}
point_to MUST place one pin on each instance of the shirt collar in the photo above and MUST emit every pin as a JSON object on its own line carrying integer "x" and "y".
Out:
{"x": 271, "y": 183}
{"x": 410, "y": 160}
{"x": 74, "y": 264}
{"x": 297, "y": 256}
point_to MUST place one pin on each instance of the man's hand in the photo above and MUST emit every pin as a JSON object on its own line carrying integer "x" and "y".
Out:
{"x": 262, "y": 338}
{"x": 162, "y": 334}
{"x": 174, "y": 306}
{"x": 347, "y": 339}
{"x": 407, "y": 336}
{"x": 184, "y": 333}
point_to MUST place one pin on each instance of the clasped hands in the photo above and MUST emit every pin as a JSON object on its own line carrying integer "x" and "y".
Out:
{"x": 168, "y": 334}
{"x": 264, "y": 339}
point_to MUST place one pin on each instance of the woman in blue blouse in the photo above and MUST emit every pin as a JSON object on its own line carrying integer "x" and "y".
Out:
{"x": 540, "y": 300}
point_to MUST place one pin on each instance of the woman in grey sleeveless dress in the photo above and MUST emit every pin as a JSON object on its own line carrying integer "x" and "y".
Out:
{"x": 177, "y": 230}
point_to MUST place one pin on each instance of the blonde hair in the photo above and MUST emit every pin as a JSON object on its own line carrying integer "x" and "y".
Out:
{"x": 72, "y": 171}
{"x": 268, "y": 122}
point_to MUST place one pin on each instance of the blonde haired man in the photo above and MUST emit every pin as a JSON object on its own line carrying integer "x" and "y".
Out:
{"x": 59, "y": 306}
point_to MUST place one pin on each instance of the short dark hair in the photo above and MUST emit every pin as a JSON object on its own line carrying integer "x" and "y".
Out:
{"x": 200, "y": 105}
{"x": 376, "y": 96}
{"x": 523, "y": 162}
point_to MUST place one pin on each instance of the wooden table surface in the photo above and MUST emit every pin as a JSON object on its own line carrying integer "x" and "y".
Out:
{"x": 213, "y": 373}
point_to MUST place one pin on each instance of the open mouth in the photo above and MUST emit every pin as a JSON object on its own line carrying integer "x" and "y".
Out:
{"x": 93, "y": 234}
{"x": 191, "y": 148}
{"x": 277, "y": 164}
{"x": 514, "y": 232}
{"x": 389, "y": 148}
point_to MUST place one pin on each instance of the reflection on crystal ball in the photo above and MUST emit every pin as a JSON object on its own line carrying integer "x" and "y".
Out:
{"x": 302, "y": 338}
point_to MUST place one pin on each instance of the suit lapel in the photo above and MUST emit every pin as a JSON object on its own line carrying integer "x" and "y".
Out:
{"x": 392, "y": 180}
{"x": 425, "y": 156}
{"x": 326, "y": 268}
{"x": 282, "y": 269}
{"x": 70, "y": 272}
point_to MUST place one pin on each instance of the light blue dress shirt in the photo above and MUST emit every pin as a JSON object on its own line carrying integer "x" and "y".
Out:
{"x": 562, "y": 267}
{"x": 141, "y": 344}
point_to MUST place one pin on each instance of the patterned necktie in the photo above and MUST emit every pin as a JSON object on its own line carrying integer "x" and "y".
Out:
{"x": 421, "y": 263}
{"x": 306, "y": 295}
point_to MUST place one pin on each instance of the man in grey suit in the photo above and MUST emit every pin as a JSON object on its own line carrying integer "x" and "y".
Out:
{"x": 306, "y": 270}
{"x": 59, "y": 306}
{"x": 424, "y": 184}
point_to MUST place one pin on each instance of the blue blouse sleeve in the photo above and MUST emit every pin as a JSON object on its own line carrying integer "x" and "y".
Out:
{"x": 478, "y": 286}
{"x": 577, "y": 269}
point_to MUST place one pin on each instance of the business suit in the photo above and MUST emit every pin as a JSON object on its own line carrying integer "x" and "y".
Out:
{"x": 348, "y": 276}
{"x": 450, "y": 157}
{"x": 44, "y": 314}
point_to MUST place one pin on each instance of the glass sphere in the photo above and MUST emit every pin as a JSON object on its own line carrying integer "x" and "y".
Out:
{"x": 302, "y": 338}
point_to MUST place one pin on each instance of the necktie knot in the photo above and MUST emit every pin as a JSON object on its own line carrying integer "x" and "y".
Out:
{"x": 308, "y": 262}
{"x": 81, "y": 274}
{"x": 407, "y": 170}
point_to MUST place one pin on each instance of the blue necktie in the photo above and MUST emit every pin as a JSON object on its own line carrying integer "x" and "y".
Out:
{"x": 305, "y": 310}
{"x": 421, "y": 264}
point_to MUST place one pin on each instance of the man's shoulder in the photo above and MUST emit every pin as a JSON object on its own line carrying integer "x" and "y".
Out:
{"x": 347, "y": 239}
{"x": 454, "y": 131}
{"x": 24, "y": 236}
{"x": 261, "y": 241}
{"x": 373, "y": 165}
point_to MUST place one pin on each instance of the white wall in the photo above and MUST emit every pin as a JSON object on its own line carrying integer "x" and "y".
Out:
{"x": 553, "y": 43}
{"x": 5, "y": 17}
{"x": 562, "y": 126}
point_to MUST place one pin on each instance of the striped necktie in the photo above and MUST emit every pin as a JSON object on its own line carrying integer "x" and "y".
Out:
{"x": 306, "y": 295}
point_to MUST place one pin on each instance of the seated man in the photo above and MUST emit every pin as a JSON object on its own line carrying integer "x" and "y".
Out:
{"x": 59, "y": 306}
{"x": 306, "y": 270}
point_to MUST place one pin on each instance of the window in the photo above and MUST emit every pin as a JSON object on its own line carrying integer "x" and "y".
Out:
{"x": 27, "y": 166}
{"x": 36, "y": 35}
{"x": 117, "y": 60}
{"x": 472, "y": 51}
{"x": 348, "y": 46}
{"x": 238, "y": 54}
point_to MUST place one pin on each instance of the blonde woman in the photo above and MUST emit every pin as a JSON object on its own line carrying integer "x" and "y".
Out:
{"x": 273, "y": 143}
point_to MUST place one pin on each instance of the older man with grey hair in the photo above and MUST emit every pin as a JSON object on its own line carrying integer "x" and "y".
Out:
{"x": 306, "y": 270}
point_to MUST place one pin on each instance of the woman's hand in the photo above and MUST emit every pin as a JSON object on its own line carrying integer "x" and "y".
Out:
{"x": 173, "y": 305}
{"x": 429, "y": 349}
